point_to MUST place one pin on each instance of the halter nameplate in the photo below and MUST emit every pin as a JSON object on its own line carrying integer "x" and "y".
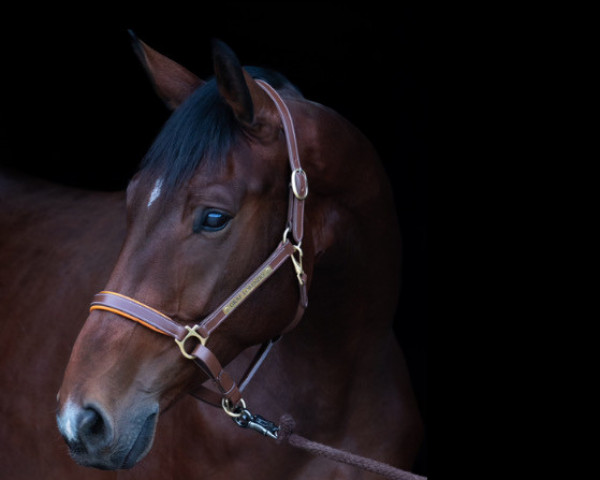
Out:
{"x": 153, "y": 319}
{"x": 251, "y": 286}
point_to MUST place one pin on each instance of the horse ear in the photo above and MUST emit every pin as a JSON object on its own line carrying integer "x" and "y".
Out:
{"x": 236, "y": 86}
{"x": 172, "y": 82}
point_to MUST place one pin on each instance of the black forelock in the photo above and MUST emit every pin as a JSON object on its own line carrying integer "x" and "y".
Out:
{"x": 202, "y": 129}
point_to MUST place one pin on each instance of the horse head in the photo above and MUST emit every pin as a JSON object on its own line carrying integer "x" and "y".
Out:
{"x": 208, "y": 206}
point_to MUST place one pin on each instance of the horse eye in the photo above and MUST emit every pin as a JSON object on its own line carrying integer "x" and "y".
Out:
{"x": 211, "y": 221}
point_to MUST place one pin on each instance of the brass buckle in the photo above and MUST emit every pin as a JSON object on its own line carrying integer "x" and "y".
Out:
{"x": 297, "y": 250}
{"x": 192, "y": 333}
{"x": 304, "y": 181}
{"x": 298, "y": 263}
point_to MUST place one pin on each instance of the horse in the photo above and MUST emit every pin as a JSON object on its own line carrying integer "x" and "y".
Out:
{"x": 260, "y": 232}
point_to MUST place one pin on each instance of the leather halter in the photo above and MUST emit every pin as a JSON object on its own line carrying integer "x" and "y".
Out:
{"x": 229, "y": 394}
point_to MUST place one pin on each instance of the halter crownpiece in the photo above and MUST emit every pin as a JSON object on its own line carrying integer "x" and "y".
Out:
{"x": 229, "y": 395}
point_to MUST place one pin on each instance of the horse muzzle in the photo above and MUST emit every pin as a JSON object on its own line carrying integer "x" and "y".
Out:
{"x": 95, "y": 439}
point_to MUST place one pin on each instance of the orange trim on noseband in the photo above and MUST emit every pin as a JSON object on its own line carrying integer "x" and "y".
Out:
{"x": 135, "y": 301}
{"x": 127, "y": 315}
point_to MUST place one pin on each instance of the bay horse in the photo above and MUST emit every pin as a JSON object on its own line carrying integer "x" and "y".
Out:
{"x": 259, "y": 222}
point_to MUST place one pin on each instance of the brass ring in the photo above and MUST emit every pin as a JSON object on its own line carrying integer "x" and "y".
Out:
{"x": 285, "y": 234}
{"x": 225, "y": 403}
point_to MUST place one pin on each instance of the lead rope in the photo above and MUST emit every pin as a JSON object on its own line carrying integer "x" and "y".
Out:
{"x": 285, "y": 435}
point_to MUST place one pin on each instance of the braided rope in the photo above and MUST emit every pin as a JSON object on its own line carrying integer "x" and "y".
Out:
{"x": 285, "y": 434}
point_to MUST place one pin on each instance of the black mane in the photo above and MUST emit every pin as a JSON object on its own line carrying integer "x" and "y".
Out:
{"x": 203, "y": 128}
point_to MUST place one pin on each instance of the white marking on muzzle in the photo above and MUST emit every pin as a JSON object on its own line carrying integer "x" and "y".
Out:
{"x": 67, "y": 421}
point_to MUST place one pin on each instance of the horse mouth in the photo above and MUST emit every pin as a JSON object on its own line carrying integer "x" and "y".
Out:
{"x": 142, "y": 444}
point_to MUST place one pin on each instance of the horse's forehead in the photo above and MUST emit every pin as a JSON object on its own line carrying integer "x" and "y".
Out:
{"x": 247, "y": 167}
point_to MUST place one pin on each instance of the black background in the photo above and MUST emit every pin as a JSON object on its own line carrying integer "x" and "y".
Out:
{"x": 77, "y": 107}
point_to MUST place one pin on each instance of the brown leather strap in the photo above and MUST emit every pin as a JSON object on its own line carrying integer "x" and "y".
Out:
{"x": 299, "y": 181}
{"x": 207, "y": 395}
{"x": 151, "y": 318}
{"x": 209, "y": 363}
{"x": 277, "y": 258}
{"x": 256, "y": 362}
{"x": 132, "y": 309}
{"x": 138, "y": 312}
{"x": 298, "y": 189}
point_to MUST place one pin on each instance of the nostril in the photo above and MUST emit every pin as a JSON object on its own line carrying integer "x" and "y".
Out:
{"x": 93, "y": 428}
{"x": 90, "y": 422}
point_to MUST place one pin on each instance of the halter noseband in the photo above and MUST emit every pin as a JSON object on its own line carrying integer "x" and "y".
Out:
{"x": 229, "y": 395}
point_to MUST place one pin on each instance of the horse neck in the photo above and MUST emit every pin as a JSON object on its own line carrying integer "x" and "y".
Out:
{"x": 354, "y": 231}
{"x": 353, "y": 235}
